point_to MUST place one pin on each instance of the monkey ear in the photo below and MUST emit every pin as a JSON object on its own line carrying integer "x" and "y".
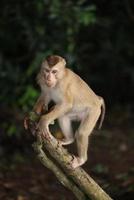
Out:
{"x": 63, "y": 61}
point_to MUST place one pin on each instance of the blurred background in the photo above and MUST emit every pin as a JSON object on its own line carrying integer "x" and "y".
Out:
{"x": 97, "y": 40}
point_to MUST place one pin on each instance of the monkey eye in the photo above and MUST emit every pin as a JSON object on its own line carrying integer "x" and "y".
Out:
{"x": 46, "y": 70}
{"x": 54, "y": 71}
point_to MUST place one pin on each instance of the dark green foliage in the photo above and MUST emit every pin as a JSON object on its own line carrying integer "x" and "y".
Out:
{"x": 95, "y": 37}
{"x": 30, "y": 30}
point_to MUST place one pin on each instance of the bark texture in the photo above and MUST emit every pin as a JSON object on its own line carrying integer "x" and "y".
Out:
{"x": 77, "y": 180}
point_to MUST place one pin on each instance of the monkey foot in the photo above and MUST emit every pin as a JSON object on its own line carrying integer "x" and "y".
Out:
{"x": 77, "y": 162}
{"x": 66, "y": 141}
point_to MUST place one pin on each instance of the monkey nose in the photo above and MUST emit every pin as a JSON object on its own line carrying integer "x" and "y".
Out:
{"x": 49, "y": 78}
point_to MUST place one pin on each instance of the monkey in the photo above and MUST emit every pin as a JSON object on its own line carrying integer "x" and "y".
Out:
{"x": 74, "y": 100}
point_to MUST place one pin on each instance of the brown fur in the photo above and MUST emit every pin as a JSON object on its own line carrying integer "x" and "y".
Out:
{"x": 53, "y": 60}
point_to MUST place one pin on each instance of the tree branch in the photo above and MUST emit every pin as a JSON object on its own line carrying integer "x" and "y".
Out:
{"x": 56, "y": 170}
{"x": 76, "y": 176}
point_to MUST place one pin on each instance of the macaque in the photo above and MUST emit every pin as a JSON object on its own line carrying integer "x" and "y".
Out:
{"x": 74, "y": 100}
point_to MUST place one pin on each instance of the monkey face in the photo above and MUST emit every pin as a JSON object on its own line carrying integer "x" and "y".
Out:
{"x": 52, "y": 71}
{"x": 50, "y": 76}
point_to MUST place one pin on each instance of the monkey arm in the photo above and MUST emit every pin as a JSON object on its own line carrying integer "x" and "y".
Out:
{"x": 58, "y": 110}
{"x": 38, "y": 109}
{"x": 39, "y": 105}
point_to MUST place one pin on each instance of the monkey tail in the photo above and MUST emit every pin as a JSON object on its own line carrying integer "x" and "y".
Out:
{"x": 103, "y": 110}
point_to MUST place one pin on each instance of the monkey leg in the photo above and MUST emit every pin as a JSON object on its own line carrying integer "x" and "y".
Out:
{"x": 65, "y": 125}
{"x": 85, "y": 129}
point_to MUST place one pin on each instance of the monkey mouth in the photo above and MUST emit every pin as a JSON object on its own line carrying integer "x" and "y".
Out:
{"x": 49, "y": 84}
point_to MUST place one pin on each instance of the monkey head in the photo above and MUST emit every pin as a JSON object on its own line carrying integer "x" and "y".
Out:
{"x": 52, "y": 70}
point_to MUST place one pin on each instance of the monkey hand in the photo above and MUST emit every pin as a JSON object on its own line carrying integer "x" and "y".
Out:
{"x": 30, "y": 119}
{"x": 43, "y": 127}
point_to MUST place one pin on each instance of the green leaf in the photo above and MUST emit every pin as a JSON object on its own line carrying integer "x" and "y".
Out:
{"x": 11, "y": 130}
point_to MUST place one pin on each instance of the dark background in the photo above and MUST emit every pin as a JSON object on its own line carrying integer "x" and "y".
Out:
{"x": 97, "y": 40}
